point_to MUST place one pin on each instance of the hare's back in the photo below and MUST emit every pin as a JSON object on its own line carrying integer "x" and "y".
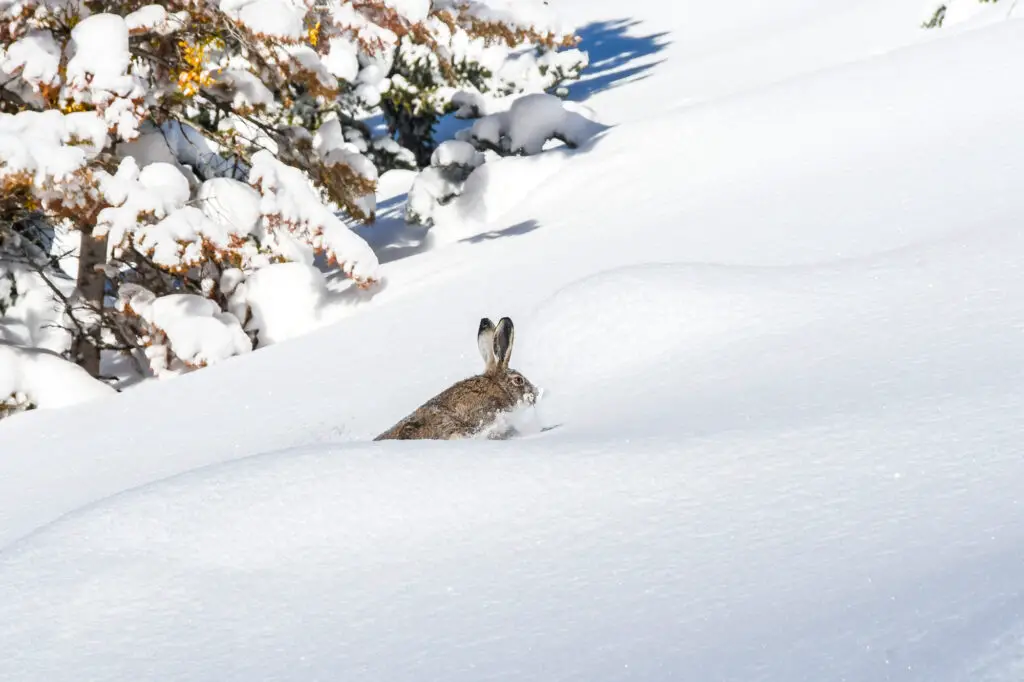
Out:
{"x": 473, "y": 401}
{"x": 426, "y": 423}
{"x": 410, "y": 428}
{"x": 458, "y": 411}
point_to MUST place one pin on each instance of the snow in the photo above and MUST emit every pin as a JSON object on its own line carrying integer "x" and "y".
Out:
{"x": 47, "y": 380}
{"x": 961, "y": 12}
{"x": 36, "y": 58}
{"x": 433, "y": 188}
{"x": 100, "y": 57}
{"x": 196, "y": 330}
{"x": 525, "y": 14}
{"x": 412, "y": 10}
{"x": 234, "y": 205}
{"x": 531, "y": 73}
{"x": 37, "y": 143}
{"x": 145, "y": 18}
{"x": 156, "y": 19}
{"x": 436, "y": 186}
{"x": 530, "y": 122}
{"x": 96, "y": 74}
{"x": 29, "y": 315}
{"x": 290, "y": 202}
{"x": 387, "y": 145}
{"x": 177, "y": 240}
{"x": 157, "y": 190}
{"x": 309, "y": 60}
{"x": 153, "y": 145}
{"x": 184, "y": 143}
{"x": 775, "y": 310}
{"x": 342, "y": 59}
{"x": 456, "y": 152}
{"x": 247, "y": 91}
{"x": 274, "y": 18}
{"x": 285, "y": 299}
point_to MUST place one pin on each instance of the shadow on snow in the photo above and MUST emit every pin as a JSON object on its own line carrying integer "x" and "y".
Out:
{"x": 613, "y": 49}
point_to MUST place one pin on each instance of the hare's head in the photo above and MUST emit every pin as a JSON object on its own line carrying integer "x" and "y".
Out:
{"x": 496, "y": 349}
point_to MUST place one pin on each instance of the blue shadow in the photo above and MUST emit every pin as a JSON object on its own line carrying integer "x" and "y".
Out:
{"x": 613, "y": 47}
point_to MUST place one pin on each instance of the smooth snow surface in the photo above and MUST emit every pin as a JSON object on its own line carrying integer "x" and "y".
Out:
{"x": 776, "y": 310}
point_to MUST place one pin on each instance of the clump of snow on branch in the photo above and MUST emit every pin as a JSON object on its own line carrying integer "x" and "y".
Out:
{"x": 97, "y": 73}
{"x": 244, "y": 89}
{"x": 156, "y": 19}
{"x": 289, "y": 203}
{"x": 522, "y": 14}
{"x": 234, "y": 206}
{"x": 530, "y": 73}
{"x": 413, "y": 10}
{"x": 275, "y": 18}
{"x": 35, "y": 59}
{"x": 156, "y": 191}
{"x": 36, "y": 378}
{"x": 184, "y": 327}
{"x": 48, "y": 147}
{"x": 531, "y": 122}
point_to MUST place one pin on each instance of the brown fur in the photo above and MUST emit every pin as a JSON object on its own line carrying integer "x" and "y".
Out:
{"x": 473, "y": 404}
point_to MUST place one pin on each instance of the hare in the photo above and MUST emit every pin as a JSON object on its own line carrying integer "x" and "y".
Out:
{"x": 473, "y": 404}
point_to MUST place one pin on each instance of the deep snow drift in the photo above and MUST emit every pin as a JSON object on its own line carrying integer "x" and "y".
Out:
{"x": 777, "y": 312}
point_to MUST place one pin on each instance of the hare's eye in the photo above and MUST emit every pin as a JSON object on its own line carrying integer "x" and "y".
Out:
{"x": 517, "y": 380}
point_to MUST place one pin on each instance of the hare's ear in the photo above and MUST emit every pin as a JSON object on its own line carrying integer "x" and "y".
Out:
{"x": 504, "y": 336}
{"x": 485, "y": 340}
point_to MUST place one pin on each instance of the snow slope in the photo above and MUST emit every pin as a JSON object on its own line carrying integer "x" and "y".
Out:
{"x": 776, "y": 309}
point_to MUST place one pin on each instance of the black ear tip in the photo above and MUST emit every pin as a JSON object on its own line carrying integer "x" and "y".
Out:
{"x": 485, "y": 324}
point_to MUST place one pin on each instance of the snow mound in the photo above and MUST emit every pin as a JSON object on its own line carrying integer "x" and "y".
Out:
{"x": 649, "y": 326}
{"x": 45, "y": 379}
{"x": 633, "y": 317}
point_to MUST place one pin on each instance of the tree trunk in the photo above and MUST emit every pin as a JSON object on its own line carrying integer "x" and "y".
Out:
{"x": 91, "y": 284}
